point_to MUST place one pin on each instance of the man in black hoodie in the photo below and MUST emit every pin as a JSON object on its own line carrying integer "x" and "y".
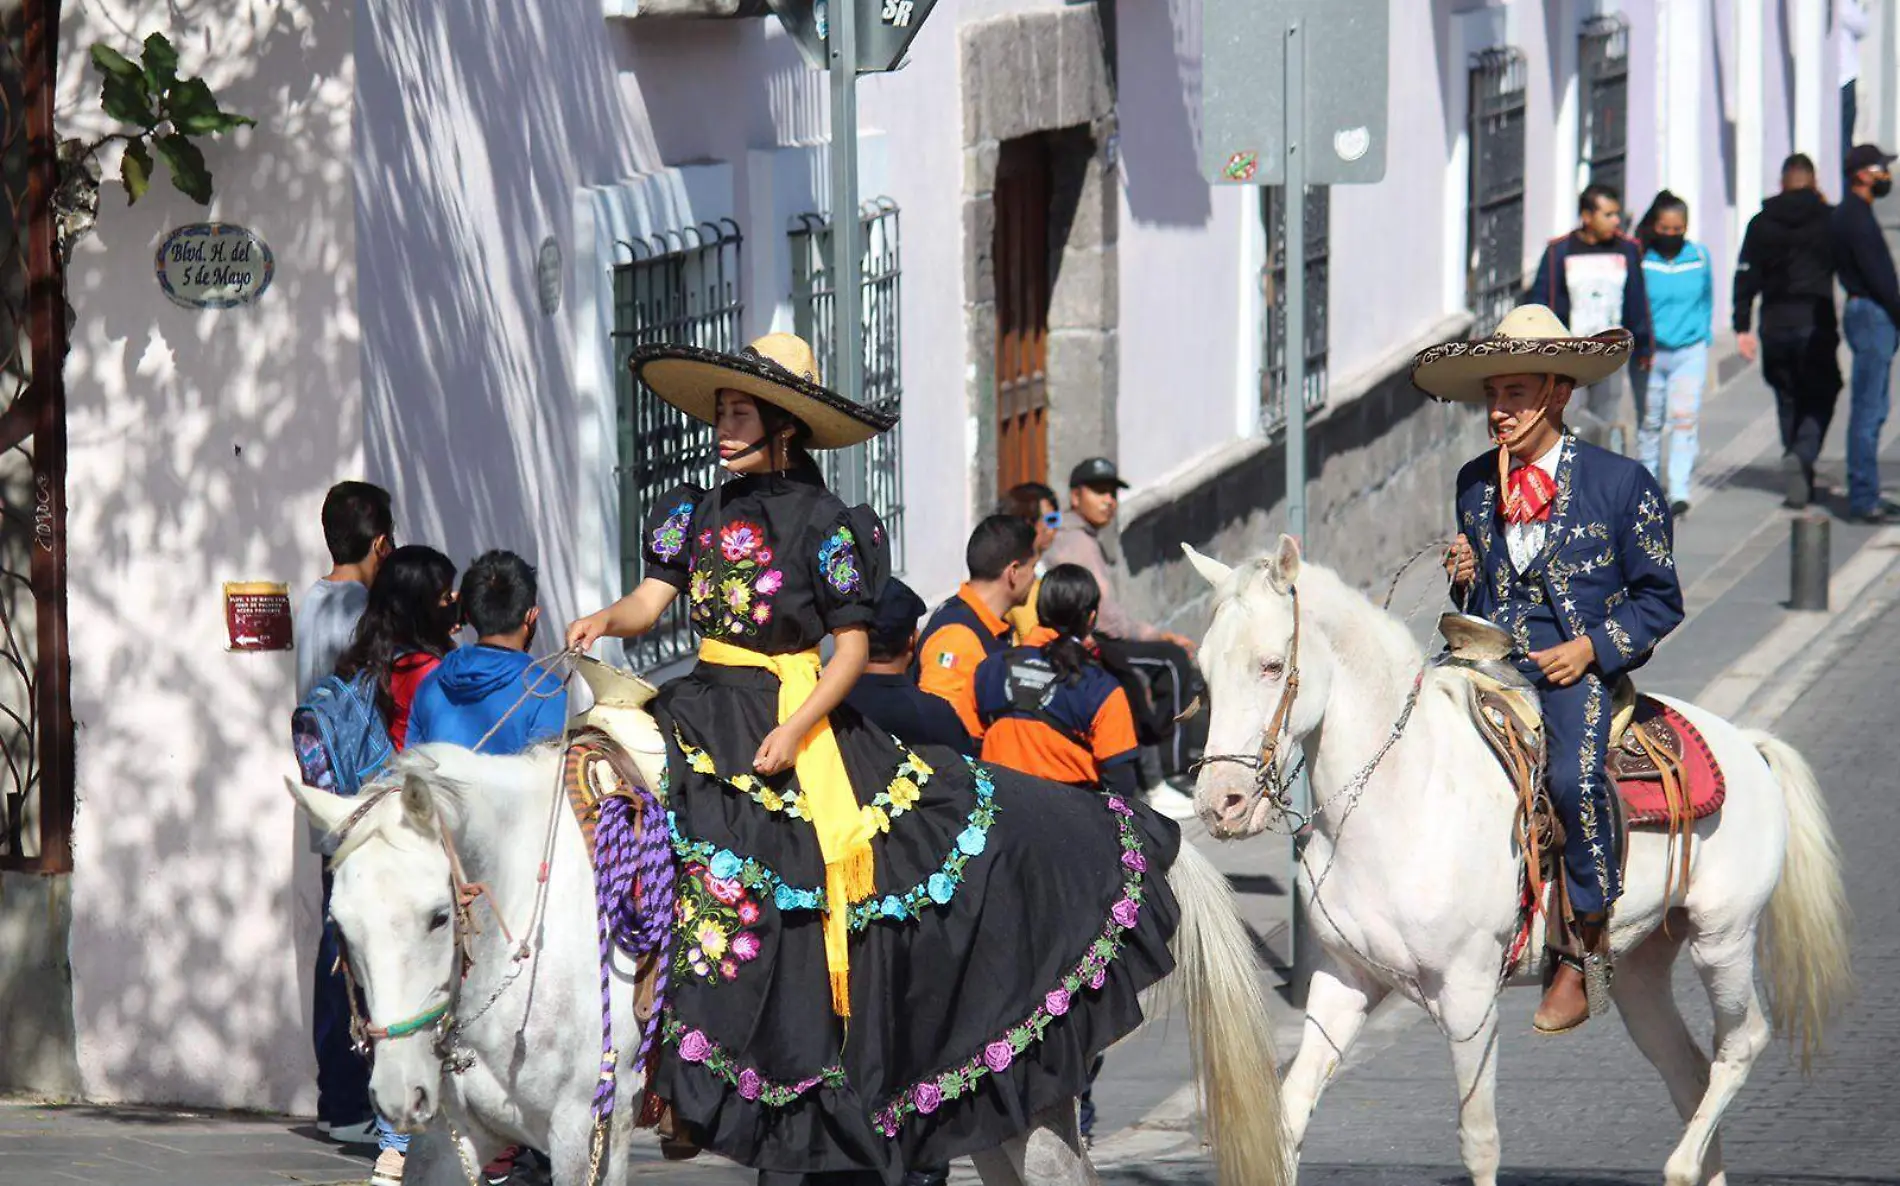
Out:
{"x": 1787, "y": 259}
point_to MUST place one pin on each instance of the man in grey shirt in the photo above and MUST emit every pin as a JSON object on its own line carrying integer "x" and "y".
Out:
{"x": 359, "y": 529}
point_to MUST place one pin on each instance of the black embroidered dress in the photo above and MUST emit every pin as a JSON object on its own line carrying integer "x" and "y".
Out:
{"x": 1013, "y": 924}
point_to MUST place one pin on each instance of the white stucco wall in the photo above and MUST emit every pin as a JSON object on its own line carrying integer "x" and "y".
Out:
{"x": 201, "y": 445}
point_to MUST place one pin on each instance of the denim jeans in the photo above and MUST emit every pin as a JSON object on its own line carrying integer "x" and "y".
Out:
{"x": 1673, "y": 385}
{"x": 1873, "y": 338}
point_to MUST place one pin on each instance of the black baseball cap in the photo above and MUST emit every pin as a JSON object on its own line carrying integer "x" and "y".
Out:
{"x": 1865, "y": 156}
{"x": 898, "y": 609}
{"x": 1096, "y": 471}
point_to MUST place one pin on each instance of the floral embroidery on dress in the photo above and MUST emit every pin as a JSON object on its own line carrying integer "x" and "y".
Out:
{"x": 693, "y": 1046}
{"x": 712, "y": 919}
{"x": 734, "y": 598}
{"x": 941, "y": 886}
{"x": 749, "y": 872}
{"x": 753, "y": 787}
{"x": 1090, "y": 973}
{"x": 838, "y": 561}
{"x": 669, "y": 538}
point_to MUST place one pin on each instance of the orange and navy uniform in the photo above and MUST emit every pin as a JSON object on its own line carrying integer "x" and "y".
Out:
{"x": 959, "y": 636}
{"x": 1080, "y": 733}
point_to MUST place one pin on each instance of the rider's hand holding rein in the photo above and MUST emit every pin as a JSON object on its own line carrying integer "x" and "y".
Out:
{"x": 630, "y": 617}
{"x": 1461, "y": 563}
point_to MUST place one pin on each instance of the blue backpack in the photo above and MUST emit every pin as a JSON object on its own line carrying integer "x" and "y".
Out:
{"x": 339, "y": 735}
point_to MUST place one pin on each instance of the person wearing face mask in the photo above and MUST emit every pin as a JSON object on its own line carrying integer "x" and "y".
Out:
{"x": 1872, "y": 323}
{"x": 493, "y": 694}
{"x": 1679, "y": 277}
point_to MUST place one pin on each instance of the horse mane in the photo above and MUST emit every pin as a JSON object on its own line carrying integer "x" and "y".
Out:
{"x": 1361, "y": 633}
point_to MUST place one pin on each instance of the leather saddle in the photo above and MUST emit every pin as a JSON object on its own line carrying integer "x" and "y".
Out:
{"x": 1665, "y": 776}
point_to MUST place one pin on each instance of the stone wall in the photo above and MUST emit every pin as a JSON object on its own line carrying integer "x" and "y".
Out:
{"x": 37, "y": 1044}
{"x": 1381, "y": 462}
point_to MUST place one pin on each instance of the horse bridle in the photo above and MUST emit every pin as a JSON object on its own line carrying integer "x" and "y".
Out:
{"x": 1265, "y": 782}
{"x": 439, "y": 1017}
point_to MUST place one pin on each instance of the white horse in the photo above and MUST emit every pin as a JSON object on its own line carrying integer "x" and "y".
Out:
{"x": 529, "y": 1030}
{"x": 1414, "y": 857}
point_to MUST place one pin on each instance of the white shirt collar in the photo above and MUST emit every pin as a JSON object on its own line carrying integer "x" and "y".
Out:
{"x": 1548, "y": 462}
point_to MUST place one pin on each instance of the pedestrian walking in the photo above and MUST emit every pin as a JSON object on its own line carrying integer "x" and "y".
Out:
{"x": 1592, "y": 279}
{"x": 1156, "y": 666}
{"x": 1001, "y": 561}
{"x": 1679, "y": 277}
{"x": 836, "y": 880}
{"x": 493, "y": 695}
{"x": 1787, "y": 259}
{"x": 1872, "y": 321}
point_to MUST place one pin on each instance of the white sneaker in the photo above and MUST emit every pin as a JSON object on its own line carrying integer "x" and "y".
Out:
{"x": 1172, "y": 803}
{"x": 388, "y": 1171}
{"x": 355, "y": 1134}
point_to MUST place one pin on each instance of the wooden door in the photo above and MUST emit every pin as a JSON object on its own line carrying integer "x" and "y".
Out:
{"x": 1023, "y": 283}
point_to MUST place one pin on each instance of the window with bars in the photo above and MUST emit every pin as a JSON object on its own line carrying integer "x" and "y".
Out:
{"x": 881, "y": 303}
{"x": 681, "y": 287}
{"x": 1603, "y": 76}
{"x": 1494, "y": 222}
{"x": 1273, "y": 284}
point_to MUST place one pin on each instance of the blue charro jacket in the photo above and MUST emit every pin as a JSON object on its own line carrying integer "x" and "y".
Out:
{"x": 1606, "y": 567}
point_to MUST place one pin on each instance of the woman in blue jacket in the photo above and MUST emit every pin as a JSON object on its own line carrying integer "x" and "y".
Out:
{"x": 1679, "y": 276}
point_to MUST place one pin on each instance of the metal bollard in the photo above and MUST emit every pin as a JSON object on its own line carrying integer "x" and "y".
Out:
{"x": 1808, "y": 569}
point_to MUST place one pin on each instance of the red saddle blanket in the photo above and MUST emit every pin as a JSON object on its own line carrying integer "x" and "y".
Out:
{"x": 1640, "y": 783}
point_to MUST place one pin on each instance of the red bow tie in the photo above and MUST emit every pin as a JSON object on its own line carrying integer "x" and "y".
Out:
{"x": 1527, "y": 495}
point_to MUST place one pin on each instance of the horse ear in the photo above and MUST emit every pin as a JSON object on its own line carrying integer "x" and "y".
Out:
{"x": 326, "y": 811}
{"x": 1284, "y": 568}
{"x": 418, "y": 802}
{"x": 1212, "y": 571}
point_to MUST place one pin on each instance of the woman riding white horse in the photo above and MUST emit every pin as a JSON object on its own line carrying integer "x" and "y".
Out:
{"x": 1411, "y": 868}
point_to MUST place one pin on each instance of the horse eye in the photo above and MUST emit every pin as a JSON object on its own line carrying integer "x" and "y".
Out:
{"x": 1272, "y": 668}
{"x": 440, "y": 920}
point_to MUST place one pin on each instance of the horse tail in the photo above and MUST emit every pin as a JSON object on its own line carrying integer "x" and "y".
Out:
{"x": 1230, "y": 1034}
{"x": 1805, "y": 944}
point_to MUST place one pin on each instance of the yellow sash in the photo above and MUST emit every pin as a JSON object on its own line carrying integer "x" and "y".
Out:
{"x": 844, "y": 826}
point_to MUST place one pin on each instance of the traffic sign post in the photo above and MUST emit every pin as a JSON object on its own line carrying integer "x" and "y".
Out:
{"x": 849, "y": 38}
{"x": 1263, "y": 124}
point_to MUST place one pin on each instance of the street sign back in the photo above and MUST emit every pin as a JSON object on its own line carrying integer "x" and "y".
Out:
{"x": 1243, "y": 90}
{"x": 885, "y": 29}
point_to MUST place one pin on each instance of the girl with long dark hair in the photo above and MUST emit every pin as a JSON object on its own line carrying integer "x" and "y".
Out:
{"x": 831, "y": 874}
{"x": 406, "y": 628}
{"x": 1053, "y": 711}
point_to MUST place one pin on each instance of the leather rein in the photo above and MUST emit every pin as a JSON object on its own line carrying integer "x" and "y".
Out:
{"x": 1267, "y": 782}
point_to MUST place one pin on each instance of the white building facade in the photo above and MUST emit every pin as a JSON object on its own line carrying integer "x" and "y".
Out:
{"x": 477, "y": 209}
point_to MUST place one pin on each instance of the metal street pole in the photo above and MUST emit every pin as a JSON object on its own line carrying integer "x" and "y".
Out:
{"x": 847, "y": 250}
{"x": 1293, "y": 393}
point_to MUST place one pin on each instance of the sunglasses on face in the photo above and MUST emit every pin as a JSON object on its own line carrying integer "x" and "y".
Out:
{"x": 1053, "y": 519}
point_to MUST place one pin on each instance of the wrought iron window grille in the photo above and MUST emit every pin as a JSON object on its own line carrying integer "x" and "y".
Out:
{"x": 680, "y": 287}
{"x": 882, "y": 304}
{"x": 1273, "y": 306}
{"x": 1603, "y": 73}
{"x": 1494, "y": 223}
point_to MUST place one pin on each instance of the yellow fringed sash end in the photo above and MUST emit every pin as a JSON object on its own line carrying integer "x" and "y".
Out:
{"x": 842, "y": 824}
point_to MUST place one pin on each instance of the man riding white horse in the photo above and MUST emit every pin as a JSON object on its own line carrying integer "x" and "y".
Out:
{"x": 1567, "y": 547}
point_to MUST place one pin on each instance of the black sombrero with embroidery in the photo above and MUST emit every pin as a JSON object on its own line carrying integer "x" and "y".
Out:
{"x": 778, "y": 368}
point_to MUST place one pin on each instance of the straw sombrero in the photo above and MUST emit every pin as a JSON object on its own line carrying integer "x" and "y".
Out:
{"x": 1529, "y": 341}
{"x": 778, "y": 368}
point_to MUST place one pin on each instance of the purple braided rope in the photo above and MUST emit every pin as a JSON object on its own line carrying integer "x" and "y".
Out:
{"x": 633, "y": 890}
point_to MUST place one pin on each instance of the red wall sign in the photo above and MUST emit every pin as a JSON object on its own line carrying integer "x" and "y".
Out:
{"x": 257, "y": 614}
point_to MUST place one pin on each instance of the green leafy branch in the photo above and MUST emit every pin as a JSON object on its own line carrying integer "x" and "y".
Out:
{"x": 167, "y": 111}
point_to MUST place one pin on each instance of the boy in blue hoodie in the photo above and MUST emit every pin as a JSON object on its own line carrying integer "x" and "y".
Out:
{"x": 474, "y": 688}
